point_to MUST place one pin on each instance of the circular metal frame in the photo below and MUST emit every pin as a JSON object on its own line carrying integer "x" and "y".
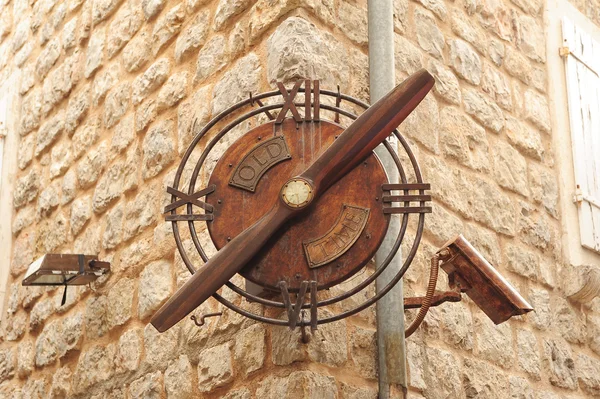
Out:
{"x": 253, "y": 298}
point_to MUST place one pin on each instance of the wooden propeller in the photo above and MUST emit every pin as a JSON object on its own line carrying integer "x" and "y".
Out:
{"x": 351, "y": 148}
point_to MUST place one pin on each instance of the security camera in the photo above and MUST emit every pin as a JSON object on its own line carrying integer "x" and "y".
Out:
{"x": 469, "y": 271}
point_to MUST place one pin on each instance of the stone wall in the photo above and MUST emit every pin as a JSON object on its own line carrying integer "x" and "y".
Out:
{"x": 109, "y": 90}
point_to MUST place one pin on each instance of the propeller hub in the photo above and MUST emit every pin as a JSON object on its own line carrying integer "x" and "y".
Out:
{"x": 297, "y": 193}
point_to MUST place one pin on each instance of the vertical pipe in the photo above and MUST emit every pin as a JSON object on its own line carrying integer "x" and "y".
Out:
{"x": 390, "y": 309}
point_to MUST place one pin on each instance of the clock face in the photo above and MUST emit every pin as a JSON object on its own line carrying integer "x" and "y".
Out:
{"x": 297, "y": 193}
{"x": 328, "y": 244}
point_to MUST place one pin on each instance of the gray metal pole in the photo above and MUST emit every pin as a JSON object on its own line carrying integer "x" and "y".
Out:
{"x": 390, "y": 308}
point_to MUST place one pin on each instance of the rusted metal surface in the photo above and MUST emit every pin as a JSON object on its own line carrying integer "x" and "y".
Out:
{"x": 475, "y": 276}
{"x": 438, "y": 299}
{"x": 288, "y": 104}
{"x": 283, "y": 257}
{"x": 194, "y": 217}
{"x": 248, "y": 172}
{"x": 200, "y": 321}
{"x": 189, "y": 199}
{"x": 343, "y": 234}
{"x": 406, "y": 186}
{"x": 260, "y": 104}
{"x": 317, "y": 105}
{"x": 406, "y": 198}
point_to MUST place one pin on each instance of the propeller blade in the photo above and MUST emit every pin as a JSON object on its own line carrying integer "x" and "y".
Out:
{"x": 347, "y": 151}
{"x": 369, "y": 130}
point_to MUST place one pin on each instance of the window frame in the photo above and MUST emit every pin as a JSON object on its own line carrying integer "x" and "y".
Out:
{"x": 573, "y": 251}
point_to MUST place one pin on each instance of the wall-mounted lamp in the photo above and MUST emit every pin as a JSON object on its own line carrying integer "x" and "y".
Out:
{"x": 65, "y": 269}
{"x": 469, "y": 271}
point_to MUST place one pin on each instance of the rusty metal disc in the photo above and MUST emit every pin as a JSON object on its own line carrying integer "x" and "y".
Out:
{"x": 329, "y": 242}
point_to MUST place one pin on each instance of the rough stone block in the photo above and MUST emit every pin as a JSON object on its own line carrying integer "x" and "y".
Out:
{"x": 85, "y": 137}
{"x": 129, "y": 351}
{"x": 510, "y": 168}
{"x": 588, "y": 371}
{"x": 540, "y": 301}
{"x": 152, "y": 7}
{"x": 151, "y": 80}
{"x": 250, "y": 349}
{"x": 137, "y": 52}
{"x": 167, "y": 27}
{"x": 47, "y": 58}
{"x": 446, "y": 83}
{"x": 463, "y": 140}
{"x": 49, "y": 132}
{"x": 116, "y": 104}
{"x": 353, "y": 22}
{"x": 15, "y": 327}
{"x": 120, "y": 302}
{"x": 95, "y": 52}
{"x": 212, "y": 58}
{"x": 443, "y": 378}
{"x": 517, "y": 65}
{"x": 160, "y": 347}
{"x": 429, "y": 36}
{"x": 61, "y": 383}
{"x": 48, "y": 200}
{"x": 298, "y": 49}
{"x": 483, "y": 110}
{"x": 158, "y": 149}
{"x": 26, "y": 188}
{"x": 192, "y": 37}
{"x": 156, "y": 285}
{"x": 173, "y": 91}
{"x": 530, "y": 38}
{"x": 95, "y": 365}
{"x": 528, "y": 353}
{"x": 81, "y": 212}
{"x": 192, "y": 115}
{"x": 149, "y": 386}
{"x": 497, "y": 86}
{"x": 561, "y": 364}
{"x": 479, "y": 379}
{"x": 127, "y": 21}
{"x": 425, "y": 118}
{"x": 178, "y": 379}
{"x": 494, "y": 342}
{"x": 105, "y": 80}
{"x": 465, "y": 61}
{"x": 215, "y": 368}
{"x": 226, "y": 10}
{"x": 96, "y": 316}
{"x": 92, "y": 165}
{"x": 25, "y": 359}
{"x": 537, "y": 110}
{"x": 31, "y": 111}
{"x": 61, "y": 158}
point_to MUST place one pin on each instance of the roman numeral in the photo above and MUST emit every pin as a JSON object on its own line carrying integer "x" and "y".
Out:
{"x": 189, "y": 199}
{"x": 293, "y": 310}
{"x": 311, "y": 110}
{"x": 288, "y": 104}
{"x": 406, "y": 198}
{"x": 188, "y": 218}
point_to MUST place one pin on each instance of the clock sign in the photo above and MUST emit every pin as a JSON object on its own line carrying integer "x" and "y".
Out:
{"x": 298, "y": 204}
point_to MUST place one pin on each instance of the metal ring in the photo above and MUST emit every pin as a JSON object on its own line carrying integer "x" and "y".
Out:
{"x": 193, "y": 179}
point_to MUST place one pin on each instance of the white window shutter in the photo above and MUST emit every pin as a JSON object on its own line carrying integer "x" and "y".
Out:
{"x": 583, "y": 91}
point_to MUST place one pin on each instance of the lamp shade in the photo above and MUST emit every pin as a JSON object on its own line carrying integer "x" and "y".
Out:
{"x": 65, "y": 269}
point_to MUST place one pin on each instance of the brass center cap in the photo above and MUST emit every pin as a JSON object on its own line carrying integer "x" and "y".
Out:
{"x": 297, "y": 193}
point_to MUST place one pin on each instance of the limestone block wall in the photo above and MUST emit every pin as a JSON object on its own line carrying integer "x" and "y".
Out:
{"x": 109, "y": 92}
